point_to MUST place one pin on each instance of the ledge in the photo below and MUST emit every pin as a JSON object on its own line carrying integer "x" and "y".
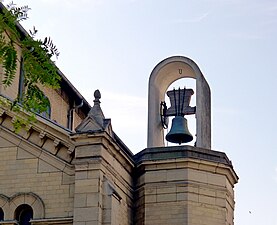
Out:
{"x": 52, "y": 220}
{"x": 181, "y": 152}
{"x": 7, "y": 222}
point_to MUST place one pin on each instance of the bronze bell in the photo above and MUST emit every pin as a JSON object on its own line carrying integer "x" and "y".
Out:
{"x": 179, "y": 132}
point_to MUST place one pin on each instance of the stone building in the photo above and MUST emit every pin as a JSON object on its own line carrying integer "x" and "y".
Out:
{"x": 69, "y": 167}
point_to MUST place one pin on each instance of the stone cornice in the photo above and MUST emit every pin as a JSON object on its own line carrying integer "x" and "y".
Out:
{"x": 42, "y": 133}
{"x": 183, "y": 151}
{"x": 101, "y": 137}
{"x": 193, "y": 157}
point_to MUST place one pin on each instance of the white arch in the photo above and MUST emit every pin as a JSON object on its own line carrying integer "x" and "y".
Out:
{"x": 164, "y": 74}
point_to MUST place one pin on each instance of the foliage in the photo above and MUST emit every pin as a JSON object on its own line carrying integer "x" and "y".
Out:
{"x": 35, "y": 59}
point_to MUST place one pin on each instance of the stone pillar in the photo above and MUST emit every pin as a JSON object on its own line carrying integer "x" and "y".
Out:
{"x": 103, "y": 192}
{"x": 88, "y": 190}
{"x": 103, "y": 172}
{"x": 184, "y": 185}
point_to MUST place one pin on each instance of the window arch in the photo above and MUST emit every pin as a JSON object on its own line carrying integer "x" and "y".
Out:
{"x": 23, "y": 214}
{"x": 30, "y": 199}
{"x": 1, "y": 214}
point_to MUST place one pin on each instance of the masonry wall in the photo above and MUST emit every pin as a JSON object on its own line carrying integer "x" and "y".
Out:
{"x": 184, "y": 185}
{"x": 88, "y": 178}
{"x": 60, "y": 107}
{"x": 34, "y": 164}
{"x": 21, "y": 171}
{"x": 103, "y": 185}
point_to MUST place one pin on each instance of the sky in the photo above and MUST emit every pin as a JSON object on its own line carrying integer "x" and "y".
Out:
{"x": 113, "y": 45}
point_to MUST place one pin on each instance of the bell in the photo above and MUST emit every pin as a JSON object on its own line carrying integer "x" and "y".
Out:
{"x": 179, "y": 132}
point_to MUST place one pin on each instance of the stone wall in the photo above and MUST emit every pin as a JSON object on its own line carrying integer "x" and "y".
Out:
{"x": 103, "y": 185}
{"x": 26, "y": 168}
{"x": 90, "y": 178}
{"x": 184, "y": 185}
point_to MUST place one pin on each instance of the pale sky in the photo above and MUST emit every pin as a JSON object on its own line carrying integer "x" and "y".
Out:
{"x": 113, "y": 45}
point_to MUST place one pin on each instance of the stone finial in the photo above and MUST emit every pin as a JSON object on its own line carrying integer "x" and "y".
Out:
{"x": 96, "y": 110}
{"x": 97, "y": 96}
{"x": 95, "y": 119}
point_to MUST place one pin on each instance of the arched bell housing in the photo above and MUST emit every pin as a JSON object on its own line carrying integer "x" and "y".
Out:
{"x": 179, "y": 132}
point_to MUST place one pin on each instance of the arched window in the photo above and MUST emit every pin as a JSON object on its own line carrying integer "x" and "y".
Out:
{"x": 23, "y": 214}
{"x": 1, "y": 214}
{"x": 21, "y": 81}
{"x": 47, "y": 112}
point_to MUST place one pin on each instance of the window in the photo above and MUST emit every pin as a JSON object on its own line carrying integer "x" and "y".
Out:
{"x": 23, "y": 214}
{"x": 21, "y": 81}
{"x": 47, "y": 113}
{"x": 21, "y": 89}
{"x": 1, "y": 214}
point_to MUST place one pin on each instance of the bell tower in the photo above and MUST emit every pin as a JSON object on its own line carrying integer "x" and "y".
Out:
{"x": 164, "y": 74}
{"x": 183, "y": 184}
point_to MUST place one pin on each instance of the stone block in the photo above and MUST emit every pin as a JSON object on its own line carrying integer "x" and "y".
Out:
{"x": 69, "y": 170}
{"x": 22, "y": 154}
{"x": 88, "y": 151}
{"x": 155, "y": 176}
{"x": 207, "y": 192}
{"x": 8, "y": 123}
{"x": 166, "y": 197}
{"x": 216, "y": 179}
{"x": 93, "y": 199}
{"x": 44, "y": 167}
{"x": 107, "y": 216}
{"x": 63, "y": 154}
{"x": 94, "y": 222}
{"x": 57, "y": 163}
{"x": 87, "y": 186}
{"x": 86, "y": 214}
{"x": 80, "y": 223}
{"x": 150, "y": 199}
{"x": 207, "y": 199}
{"x": 80, "y": 200}
{"x": 30, "y": 148}
{"x": 193, "y": 197}
{"x": 11, "y": 138}
{"x": 181, "y": 188}
{"x": 49, "y": 146}
{"x": 177, "y": 175}
{"x": 81, "y": 175}
{"x": 166, "y": 190}
{"x": 165, "y": 166}
{"x": 35, "y": 138}
{"x": 67, "y": 179}
{"x": 181, "y": 196}
{"x": 198, "y": 176}
{"x": 150, "y": 190}
{"x": 4, "y": 143}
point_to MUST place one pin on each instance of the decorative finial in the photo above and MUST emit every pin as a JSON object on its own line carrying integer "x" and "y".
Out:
{"x": 97, "y": 96}
{"x": 95, "y": 119}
